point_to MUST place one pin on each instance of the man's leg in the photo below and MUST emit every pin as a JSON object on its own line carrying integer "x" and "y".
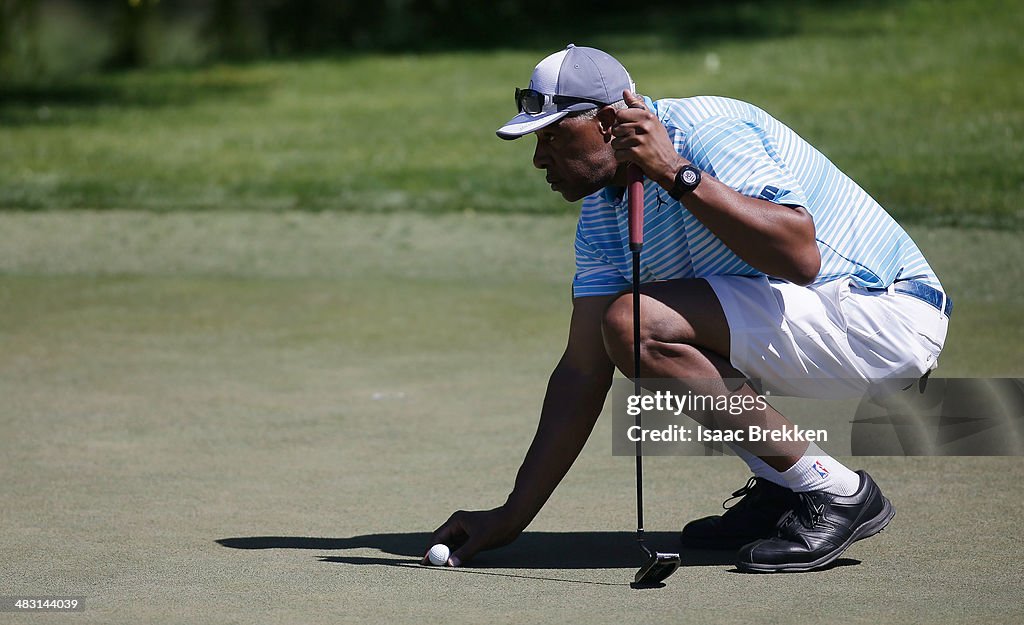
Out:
{"x": 685, "y": 337}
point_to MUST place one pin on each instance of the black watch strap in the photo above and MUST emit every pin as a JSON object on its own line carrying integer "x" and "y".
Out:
{"x": 687, "y": 179}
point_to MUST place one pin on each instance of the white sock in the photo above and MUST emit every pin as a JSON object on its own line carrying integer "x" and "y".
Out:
{"x": 817, "y": 470}
{"x": 759, "y": 467}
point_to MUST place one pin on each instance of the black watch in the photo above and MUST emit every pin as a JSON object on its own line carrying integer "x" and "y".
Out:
{"x": 687, "y": 180}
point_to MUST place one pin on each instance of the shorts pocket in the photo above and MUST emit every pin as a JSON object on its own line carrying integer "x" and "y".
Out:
{"x": 884, "y": 344}
{"x": 833, "y": 295}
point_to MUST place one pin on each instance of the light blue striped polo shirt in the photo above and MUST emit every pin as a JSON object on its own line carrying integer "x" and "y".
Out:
{"x": 758, "y": 156}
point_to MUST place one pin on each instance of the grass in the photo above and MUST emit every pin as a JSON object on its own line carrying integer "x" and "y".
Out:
{"x": 247, "y": 416}
{"x": 918, "y": 101}
{"x": 476, "y": 258}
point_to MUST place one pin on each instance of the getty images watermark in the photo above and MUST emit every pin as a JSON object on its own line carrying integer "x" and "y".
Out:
{"x": 691, "y": 403}
{"x": 918, "y": 417}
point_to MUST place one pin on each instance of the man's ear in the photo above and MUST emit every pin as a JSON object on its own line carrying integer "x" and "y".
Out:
{"x": 606, "y": 117}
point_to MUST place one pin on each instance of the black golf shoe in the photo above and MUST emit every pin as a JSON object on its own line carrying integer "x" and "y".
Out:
{"x": 819, "y": 530}
{"x": 753, "y": 517}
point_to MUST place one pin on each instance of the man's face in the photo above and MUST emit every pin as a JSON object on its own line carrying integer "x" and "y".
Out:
{"x": 576, "y": 156}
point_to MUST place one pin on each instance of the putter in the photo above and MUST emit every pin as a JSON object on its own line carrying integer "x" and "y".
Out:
{"x": 658, "y": 565}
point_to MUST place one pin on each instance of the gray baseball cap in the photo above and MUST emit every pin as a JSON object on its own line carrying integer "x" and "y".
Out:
{"x": 570, "y": 80}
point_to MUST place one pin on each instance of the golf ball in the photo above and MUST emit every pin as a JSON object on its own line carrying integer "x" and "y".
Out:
{"x": 438, "y": 555}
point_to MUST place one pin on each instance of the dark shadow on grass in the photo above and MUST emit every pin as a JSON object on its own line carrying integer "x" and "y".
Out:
{"x": 837, "y": 563}
{"x": 72, "y": 101}
{"x": 470, "y": 570}
{"x": 532, "y": 550}
{"x": 463, "y": 27}
{"x": 686, "y": 25}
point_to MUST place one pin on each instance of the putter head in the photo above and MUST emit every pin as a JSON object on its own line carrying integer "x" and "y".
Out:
{"x": 657, "y": 568}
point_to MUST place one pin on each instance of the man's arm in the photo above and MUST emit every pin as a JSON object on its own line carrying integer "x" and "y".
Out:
{"x": 773, "y": 238}
{"x": 575, "y": 395}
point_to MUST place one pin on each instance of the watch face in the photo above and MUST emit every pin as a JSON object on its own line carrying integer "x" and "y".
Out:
{"x": 689, "y": 177}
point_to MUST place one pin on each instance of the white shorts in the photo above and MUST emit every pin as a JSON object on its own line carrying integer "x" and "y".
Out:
{"x": 827, "y": 341}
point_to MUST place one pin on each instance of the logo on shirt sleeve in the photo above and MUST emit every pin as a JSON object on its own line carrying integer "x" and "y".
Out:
{"x": 769, "y": 193}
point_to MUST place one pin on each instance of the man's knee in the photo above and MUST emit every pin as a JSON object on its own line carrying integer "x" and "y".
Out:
{"x": 666, "y": 334}
{"x": 617, "y": 329}
{"x": 680, "y": 312}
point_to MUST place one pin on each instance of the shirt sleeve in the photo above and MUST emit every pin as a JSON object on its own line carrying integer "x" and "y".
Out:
{"x": 739, "y": 154}
{"x": 594, "y": 274}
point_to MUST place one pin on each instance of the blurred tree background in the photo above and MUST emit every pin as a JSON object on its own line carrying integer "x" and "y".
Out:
{"x": 42, "y": 39}
{"x": 263, "y": 104}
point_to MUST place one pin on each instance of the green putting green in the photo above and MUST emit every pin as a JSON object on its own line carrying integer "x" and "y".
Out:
{"x": 238, "y": 417}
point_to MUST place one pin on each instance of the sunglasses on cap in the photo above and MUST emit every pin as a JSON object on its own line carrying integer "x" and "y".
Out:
{"x": 533, "y": 101}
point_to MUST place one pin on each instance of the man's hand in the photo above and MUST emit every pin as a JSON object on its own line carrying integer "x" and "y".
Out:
{"x": 467, "y": 533}
{"x": 640, "y": 138}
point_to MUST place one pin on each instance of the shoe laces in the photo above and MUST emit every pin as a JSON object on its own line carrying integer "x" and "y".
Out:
{"x": 743, "y": 492}
{"x": 808, "y": 512}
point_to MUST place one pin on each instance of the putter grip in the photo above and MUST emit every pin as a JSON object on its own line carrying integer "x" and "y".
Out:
{"x": 635, "y": 192}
